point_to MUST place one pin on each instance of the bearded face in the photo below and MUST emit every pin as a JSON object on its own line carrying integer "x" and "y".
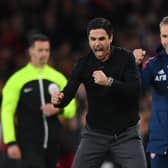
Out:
{"x": 99, "y": 42}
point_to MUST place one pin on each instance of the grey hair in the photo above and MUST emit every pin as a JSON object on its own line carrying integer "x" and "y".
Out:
{"x": 164, "y": 21}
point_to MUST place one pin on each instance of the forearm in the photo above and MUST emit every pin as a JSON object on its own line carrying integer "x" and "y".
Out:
{"x": 126, "y": 89}
{"x": 8, "y": 127}
{"x": 129, "y": 84}
{"x": 69, "y": 92}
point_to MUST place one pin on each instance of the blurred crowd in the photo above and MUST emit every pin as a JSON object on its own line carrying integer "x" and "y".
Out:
{"x": 64, "y": 21}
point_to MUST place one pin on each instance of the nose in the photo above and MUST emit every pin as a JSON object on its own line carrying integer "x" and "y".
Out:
{"x": 97, "y": 43}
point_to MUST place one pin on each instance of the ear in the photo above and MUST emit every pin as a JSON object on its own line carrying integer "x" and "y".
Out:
{"x": 111, "y": 38}
{"x": 30, "y": 50}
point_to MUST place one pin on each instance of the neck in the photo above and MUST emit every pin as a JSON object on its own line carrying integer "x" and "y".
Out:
{"x": 166, "y": 49}
{"x": 37, "y": 65}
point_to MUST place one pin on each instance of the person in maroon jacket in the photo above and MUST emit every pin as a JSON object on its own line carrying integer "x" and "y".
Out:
{"x": 112, "y": 84}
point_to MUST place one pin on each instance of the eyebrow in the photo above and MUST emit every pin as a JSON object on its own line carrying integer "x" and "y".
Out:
{"x": 164, "y": 35}
{"x": 100, "y": 38}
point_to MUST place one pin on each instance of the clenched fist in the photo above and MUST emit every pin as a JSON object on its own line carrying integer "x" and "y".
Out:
{"x": 56, "y": 97}
{"x": 139, "y": 55}
{"x": 100, "y": 78}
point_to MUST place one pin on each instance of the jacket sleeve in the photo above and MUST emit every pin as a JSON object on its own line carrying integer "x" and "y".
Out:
{"x": 130, "y": 84}
{"x": 72, "y": 85}
{"x": 146, "y": 75}
{"x": 10, "y": 97}
{"x": 69, "y": 111}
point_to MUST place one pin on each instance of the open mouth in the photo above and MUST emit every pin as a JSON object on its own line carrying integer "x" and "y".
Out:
{"x": 98, "y": 49}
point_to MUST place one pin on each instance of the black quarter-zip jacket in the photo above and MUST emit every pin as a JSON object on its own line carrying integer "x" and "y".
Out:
{"x": 110, "y": 109}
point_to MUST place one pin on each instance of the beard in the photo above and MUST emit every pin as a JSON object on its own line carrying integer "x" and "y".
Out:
{"x": 102, "y": 53}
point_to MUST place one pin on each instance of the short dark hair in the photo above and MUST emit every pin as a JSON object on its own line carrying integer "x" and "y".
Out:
{"x": 33, "y": 37}
{"x": 100, "y": 23}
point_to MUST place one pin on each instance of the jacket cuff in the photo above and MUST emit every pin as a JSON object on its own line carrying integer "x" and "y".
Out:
{"x": 11, "y": 143}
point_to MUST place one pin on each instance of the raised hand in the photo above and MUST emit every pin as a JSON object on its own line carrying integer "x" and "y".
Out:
{"x": 100, "y": 78}
{"x": 139, "y": 55}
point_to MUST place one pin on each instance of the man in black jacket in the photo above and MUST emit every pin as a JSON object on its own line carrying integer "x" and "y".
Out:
{"x": 110, "y": 76}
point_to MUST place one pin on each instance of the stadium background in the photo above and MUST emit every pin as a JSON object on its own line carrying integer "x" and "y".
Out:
{"x": 64, "y": 21}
